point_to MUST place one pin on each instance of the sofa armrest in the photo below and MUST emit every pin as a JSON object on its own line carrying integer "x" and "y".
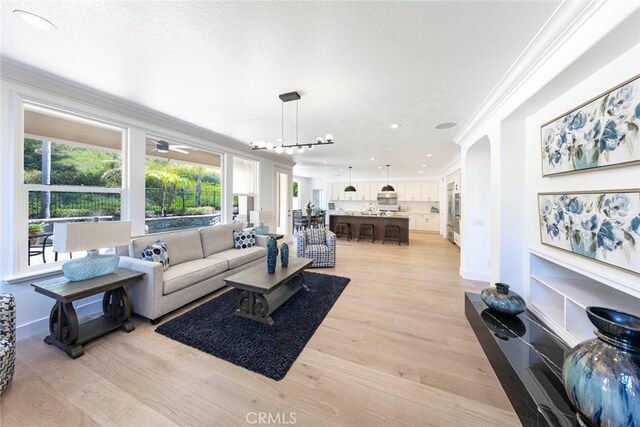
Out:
{"x": 301, "y": 243}
{"x": 146, "y": 292}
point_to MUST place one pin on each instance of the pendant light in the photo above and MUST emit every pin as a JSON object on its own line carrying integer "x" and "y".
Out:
{"x": 388, "y": 187}
{"x": 350, "y": 188}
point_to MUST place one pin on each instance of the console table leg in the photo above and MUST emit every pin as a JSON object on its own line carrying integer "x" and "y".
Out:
{"x": 64, "y": 329}
{"x": 116, "y": 306}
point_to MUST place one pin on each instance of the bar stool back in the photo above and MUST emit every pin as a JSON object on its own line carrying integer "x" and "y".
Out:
{"x": 343, "y": 229}
{"x": 391, "y": 233}
{"x": 366, "y": 231}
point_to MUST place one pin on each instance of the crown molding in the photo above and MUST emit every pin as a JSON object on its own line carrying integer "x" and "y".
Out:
{"x": 23, "y": 74}
{"x": 568, "y": 17}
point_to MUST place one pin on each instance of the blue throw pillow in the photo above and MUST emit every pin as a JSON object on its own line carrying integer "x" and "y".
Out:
{"x": 157, "y": 252}
{"x": 244, "y": 239}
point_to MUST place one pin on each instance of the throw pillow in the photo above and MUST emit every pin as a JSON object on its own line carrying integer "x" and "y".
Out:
{"x": 315, "y": 236}
{"x": 157, "y": 252}
{"x": 244, "y": 239}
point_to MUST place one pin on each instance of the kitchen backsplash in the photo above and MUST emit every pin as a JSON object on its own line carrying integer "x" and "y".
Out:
{"x": 416, "y": 207}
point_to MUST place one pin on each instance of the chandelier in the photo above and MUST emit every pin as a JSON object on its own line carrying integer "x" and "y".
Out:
{"x": 290, "y": 148}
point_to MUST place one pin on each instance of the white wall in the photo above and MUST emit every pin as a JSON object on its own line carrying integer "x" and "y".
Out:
{"x": 305, "y": 190}
{"x": 628, "y": 177}
{"x": 23, "y": 82}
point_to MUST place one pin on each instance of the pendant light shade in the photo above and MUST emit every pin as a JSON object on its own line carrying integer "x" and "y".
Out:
{"x": 388, "y": 187}
{"x": 350, "y": 188}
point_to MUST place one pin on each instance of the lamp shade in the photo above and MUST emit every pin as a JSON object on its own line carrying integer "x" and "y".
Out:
{"x": 350, "y": 189}
{"x": 82, "y": 236}
{"x": 388, "y": 188}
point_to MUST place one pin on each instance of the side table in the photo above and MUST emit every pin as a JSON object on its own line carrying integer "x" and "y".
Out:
{"x": 65, "y": 331}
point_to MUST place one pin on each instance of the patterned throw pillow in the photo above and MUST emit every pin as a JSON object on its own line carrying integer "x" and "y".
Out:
{"x": 157, "y": 252}
{"x": 315, "y": 236}
{"x": 244, "y": 239}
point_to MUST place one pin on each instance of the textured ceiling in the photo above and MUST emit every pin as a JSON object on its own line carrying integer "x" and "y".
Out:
{"x": 359, "y": 67}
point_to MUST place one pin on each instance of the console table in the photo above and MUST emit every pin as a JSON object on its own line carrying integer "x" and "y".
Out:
{"x": 65, "y": 331}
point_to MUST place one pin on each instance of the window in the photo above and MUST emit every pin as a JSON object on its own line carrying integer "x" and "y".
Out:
{"x": 245, "y": 177}
{"x": 72, "y": 172}
{"x": 182, "y": 186}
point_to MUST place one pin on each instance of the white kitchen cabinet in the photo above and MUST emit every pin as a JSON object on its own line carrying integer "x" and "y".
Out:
{"x": 337, "y": 191}
{"x": 429, "y": 191}
{"x": 401, "y": 189}
{"x": 412, "y": 221}
{"x": 348, "y": 195}
{"x": 433, "y": 223}
{"x": 422, "y": 221}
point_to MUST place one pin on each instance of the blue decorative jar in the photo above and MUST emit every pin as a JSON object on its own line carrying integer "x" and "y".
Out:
{"x": 503, "y": 300}
{"x": 284, "y": 255}
{"x": 602, "y": 375}
{"x": 272, "y": 255}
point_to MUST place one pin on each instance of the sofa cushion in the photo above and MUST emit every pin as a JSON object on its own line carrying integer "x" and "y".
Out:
{"x": 244, "y": 239}
{"x": 191, "y": 272}
{"x": 218, "y": 238}
{"x": 182, "y": 245}
{"x": 240, "y": 257}
{"x": 315, "y": 236}
{"x": 157, "y": 252}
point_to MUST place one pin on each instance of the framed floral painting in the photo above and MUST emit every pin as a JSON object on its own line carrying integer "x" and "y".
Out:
{"x": 603, "y": 132}
{"x": 602, "y": 226}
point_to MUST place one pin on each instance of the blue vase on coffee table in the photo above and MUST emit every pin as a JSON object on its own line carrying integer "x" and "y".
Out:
{"x": 502, "y": 300}
{"x": 284, "y": 255}
{"x": 272, "y": 255}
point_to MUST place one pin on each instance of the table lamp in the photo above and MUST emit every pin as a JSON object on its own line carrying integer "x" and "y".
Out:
{"x": 260, "y": 217}
{"x": 90, "y": 236}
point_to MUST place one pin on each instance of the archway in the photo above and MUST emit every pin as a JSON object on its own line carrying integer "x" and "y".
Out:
{"x": 476, "y": 212}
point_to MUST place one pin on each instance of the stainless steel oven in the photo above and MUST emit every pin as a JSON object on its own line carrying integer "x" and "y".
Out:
{"x": 388, "y": 201}
{"x": 457, "y": 204}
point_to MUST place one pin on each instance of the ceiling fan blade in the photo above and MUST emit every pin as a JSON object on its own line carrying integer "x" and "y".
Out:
{"x": 180, "y": 146}
{"x": 172, "y": 148}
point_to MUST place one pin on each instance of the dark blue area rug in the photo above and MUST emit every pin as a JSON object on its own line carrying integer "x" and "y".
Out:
{"x": 268, "y": 350}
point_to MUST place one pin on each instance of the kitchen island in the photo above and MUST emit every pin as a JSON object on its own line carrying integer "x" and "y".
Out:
{"x": 378, "y": 222}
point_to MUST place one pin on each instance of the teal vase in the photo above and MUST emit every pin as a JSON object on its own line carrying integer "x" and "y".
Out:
{"x": 284, "y": 255}
{"x": 272, "y": 255}
{"x": 602, "y": 375}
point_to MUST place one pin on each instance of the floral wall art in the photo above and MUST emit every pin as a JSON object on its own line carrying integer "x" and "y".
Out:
{"x": 603, "y": 132}
{"x": 601, "y": 226}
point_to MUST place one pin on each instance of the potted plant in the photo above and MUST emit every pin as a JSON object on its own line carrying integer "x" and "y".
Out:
{"x": 36, "y": 228}
{"x": 309, "y": 207}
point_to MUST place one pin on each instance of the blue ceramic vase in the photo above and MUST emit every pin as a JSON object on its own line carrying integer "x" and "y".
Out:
{"x": 602, "y": 375}
{"x": 272, "y": 255}
{"x": 503, "y": 300}
{"x": 284, "y": 255}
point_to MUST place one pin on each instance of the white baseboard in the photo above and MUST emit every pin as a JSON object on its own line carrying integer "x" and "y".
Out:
{"x": 41, "y": 326}
{"x": 475, "y": 275}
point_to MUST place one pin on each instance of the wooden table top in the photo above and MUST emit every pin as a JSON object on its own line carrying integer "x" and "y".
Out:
{"x": 61, "y": 289}
{"x": 256, "y": 278}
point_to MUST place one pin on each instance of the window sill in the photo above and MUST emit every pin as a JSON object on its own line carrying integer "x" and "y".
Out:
{"x": 30, "y": 276}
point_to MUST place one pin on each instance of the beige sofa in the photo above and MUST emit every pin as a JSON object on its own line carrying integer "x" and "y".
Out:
{"x": 200, "y": 260}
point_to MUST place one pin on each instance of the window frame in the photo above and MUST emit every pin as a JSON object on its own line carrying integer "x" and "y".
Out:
{"x": 21, "y": 213}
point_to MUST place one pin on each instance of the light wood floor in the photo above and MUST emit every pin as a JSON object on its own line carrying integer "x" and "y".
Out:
{"x": 396, "y": 349}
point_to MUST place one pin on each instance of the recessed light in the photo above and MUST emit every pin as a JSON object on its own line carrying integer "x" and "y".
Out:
{"x": 419, "y": 171}
{"x": 280, "y": 140}
{"x": 35, "y": 20}
{"x": 325, "y": 162}
{"x": 424, "y": 166}
{"x": 379, "y": 167}
{"x": 340, "y": 170}
{"x": 429, "y": 155}
{"x": 394, "y": 126}
{"x": 446, "y": 125}
{"x": 373, "y": 158}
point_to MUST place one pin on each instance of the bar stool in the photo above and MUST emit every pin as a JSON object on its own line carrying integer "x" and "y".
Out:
{"x": 366, "y": 230}
{"x": 392, "y": 233}
{"x": 343, "y": 229}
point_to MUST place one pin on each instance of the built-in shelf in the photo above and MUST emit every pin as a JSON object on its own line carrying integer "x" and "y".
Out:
{"x": 559, "y": 295}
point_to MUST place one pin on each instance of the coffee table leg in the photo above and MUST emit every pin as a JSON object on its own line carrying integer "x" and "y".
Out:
{"x": 64, "y": 329}
{"x": 253, "y": 306}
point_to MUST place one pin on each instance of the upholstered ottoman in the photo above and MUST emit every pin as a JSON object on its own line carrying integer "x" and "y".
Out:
{"x": 7, "y": 339}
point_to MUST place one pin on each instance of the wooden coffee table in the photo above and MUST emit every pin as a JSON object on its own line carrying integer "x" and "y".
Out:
{"x": 264, "y": 293}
